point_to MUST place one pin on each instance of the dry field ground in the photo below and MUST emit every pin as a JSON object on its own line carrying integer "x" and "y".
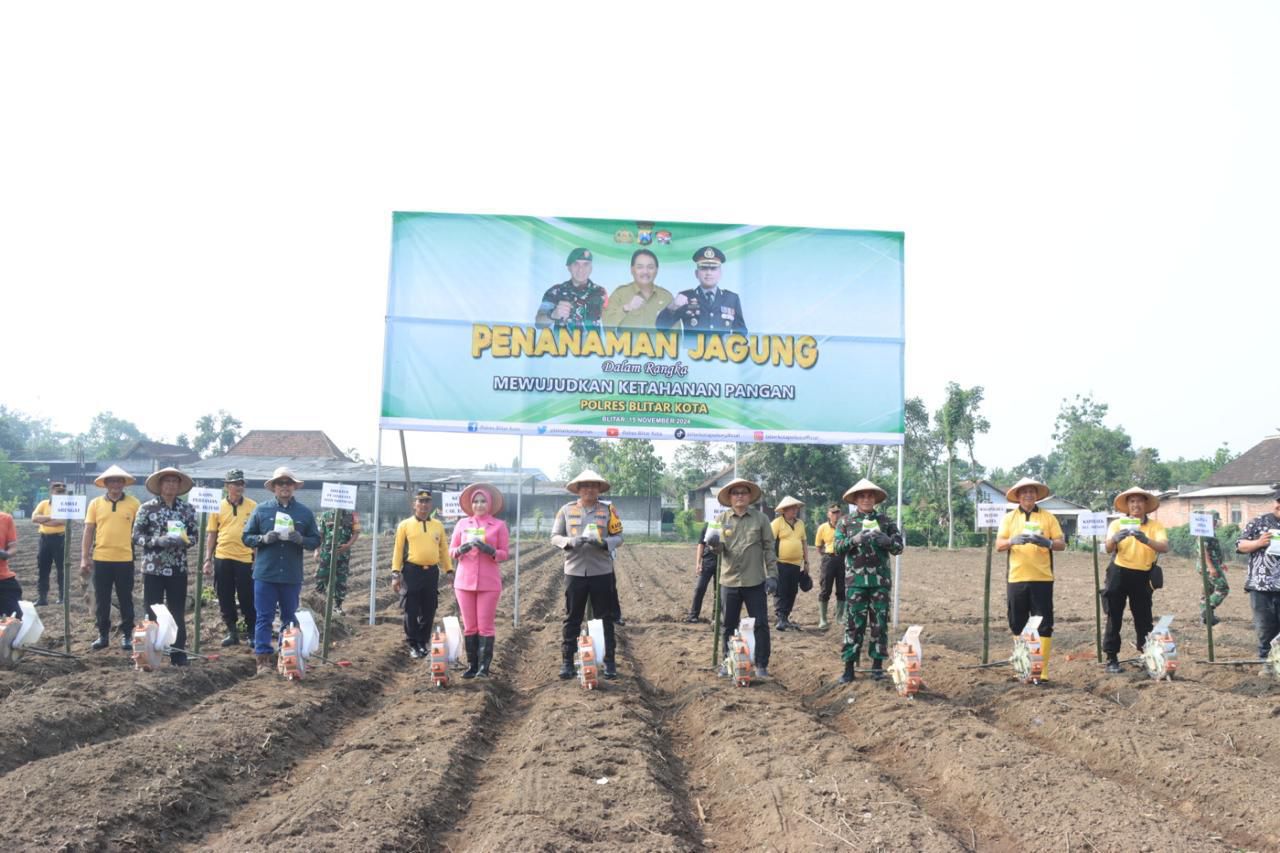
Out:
{"x": 96, "y": 756}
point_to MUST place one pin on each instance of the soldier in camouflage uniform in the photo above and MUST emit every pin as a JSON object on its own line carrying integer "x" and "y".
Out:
{"x": 1213, "y": 564}
{"x": 574, "y": 304}
{"x": 866, "y": 548}
{"x": 348, "y": 532}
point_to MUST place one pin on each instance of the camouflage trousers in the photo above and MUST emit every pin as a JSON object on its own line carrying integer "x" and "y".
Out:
{"x": 867, "y": 607}
{"x": 322, "y": 575}
{"x": 1218, "y": 589}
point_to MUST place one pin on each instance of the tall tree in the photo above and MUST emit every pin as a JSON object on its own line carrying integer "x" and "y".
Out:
{"x": 1148, "y": 471}
{"x": 108, "y": 435}
{"x": 631, "y": 466}
{"x": 216, "y": 433}
{"x": 696, "y": 461}
{"x": 13, "y": 482}
{"x": 959, "y": 422}
{"x": 583, "y": 453}
{"x": 813, "y": 473}
{"x": 1094, "y": 460}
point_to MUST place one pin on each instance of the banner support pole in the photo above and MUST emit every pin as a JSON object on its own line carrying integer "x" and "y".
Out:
{"x": 897, "y": 560}
{"x": 373, "y": 564}
{"x": 515, "y": 619}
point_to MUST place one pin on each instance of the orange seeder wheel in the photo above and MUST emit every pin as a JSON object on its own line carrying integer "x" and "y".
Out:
{"x": 146, "y": 656}
{"x": 588, "y": 669}
{"x": 740, "y": 660}
{"x": 905, "y": 669}
{"x": 439, "y": 659}
{"x": 292, "y": 665}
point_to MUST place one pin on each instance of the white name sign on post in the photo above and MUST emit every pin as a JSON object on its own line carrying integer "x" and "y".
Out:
{"x": 989, "y": 516}
{"x": 338, "y": 496}
{"x": 1201, "y": 524}
{"x": 1092, "y": 523}
{"x": 205, "y": 500}
{"x": 68, "y": 507}
{"x": 711, "y": 508}
{"x": 450, "y": 507}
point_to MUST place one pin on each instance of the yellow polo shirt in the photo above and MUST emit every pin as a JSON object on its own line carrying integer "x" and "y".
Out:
{"x": 44, "y": 508}
{"x": 423, "y": 543}
{"x": 229, "y": 525}
{"x": 790, "y": 541}
{"x": 825, "y": 539}
{"x": 1132, "y": 554}
{"x": 113, "y": 527}
{"x": 1030, "y": 562}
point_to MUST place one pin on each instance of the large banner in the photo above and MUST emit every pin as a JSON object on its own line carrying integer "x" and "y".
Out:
{"x": 637, "y": 329}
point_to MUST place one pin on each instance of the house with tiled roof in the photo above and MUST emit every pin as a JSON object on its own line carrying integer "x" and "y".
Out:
{"x": 309, "y": 443}
{"x": 1239, "y": 490}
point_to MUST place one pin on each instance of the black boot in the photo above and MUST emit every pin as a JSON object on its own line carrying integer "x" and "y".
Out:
{"x": 232, "y": 638}
{"x": 849, "y": 667}
{"x": 877, "y": 670}
{"x": 101, "y": 643}
{"x": 566, "y": 668}
{"x": 486, "y": 655}
{"x": 472, "y": 642}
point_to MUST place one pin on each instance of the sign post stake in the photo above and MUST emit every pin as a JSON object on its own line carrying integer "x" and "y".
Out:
{"x": 1097, "y": 601}
{"x": 67, "y": 508}
{"x": 715, "y": 639}
{"x": 338, "y": 497}
{"x": 204, "y": 521}
{"x": 1201, "y": 524}
{"x": 986, "y": 603}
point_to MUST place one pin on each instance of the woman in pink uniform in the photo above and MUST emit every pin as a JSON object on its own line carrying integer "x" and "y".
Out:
{"x": 479, "y": 543}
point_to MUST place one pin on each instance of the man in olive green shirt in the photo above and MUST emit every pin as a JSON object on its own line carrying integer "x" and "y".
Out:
{"x": 637, "y": 304}
{"x": 748, "y": 566}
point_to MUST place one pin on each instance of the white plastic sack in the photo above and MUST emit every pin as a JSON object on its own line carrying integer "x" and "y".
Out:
{"x": 747, "y": 628}
{"x": 453, "y": 638}
{"x": 32, "y": 627}
{"x": 595, "y": 629}
{"x": 310, "y": 633}
{"x": 167, "y": 629}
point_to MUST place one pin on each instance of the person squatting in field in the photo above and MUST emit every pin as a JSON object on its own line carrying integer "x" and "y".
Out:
{"x": 1028, "y": 536}
{"x": 589, "y": 532}
{"x": 1137, "y": 541}
{"x": 866, "y": 539}
{"x": 479, "y": 544}
{"x": 748, "y": 567}
{"x": 421, "y": 549}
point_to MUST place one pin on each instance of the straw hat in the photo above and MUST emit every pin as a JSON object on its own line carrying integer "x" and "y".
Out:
{"x": 1122, "y": 499}
{"x": 281, "y": 473}
{"x": 864, "y": 485}
{"x": 587, "y": 476}
{"x": 153, "y": 482}
{"x": 1042, "y": 491}
{"x": 114, "y": 471}
{"x": 723, "y": 494}
{"x": 786, "y": 502}
{"x": 495, "y": 497}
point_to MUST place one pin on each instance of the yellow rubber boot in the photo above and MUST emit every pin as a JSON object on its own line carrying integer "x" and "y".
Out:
{"x": 1046, "y": 643}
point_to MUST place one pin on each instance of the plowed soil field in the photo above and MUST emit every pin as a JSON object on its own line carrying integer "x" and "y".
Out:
{"x": 96, "y": 756}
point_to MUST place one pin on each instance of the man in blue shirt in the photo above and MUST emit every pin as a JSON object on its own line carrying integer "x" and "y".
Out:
{"x": 279, "y": 529}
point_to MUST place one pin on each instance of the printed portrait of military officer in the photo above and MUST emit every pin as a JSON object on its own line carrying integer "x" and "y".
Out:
{"x": 576, "y": 303}
{"x": 707, "y": 308}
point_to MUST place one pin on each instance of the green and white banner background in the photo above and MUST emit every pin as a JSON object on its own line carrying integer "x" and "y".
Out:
{"x": 822, "y": 360}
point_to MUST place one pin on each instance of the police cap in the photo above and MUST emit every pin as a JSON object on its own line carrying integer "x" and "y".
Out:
{"x": 423, "y": 495}
{"x": 708, "y": 256}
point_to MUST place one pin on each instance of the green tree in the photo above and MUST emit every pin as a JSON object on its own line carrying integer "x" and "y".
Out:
{"x": 1189, "y": 472}
{"x": 813, "y": 473}
{"x": 583, "y": 453}
{"x": 695, "y": 462}
{"x": 216, "y": 433}
{"x": 13, "y": 480}
{"x": 631, "y": 466}
{"x": 959, "y": 422}
{"x": 1094, "y": 460}
{"x": 23, "y": 437}
{"x": 108, "y": 435}
{"x": 1148, "y": 471}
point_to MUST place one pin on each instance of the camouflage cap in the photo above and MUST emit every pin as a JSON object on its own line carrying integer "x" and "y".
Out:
{"x": 579, "y": 254}
{"x": 235, "y": 475}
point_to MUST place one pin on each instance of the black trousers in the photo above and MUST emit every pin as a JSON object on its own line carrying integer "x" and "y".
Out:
{"x": 704, "y": 580}
{"x": 1134, "y": 587}
{"x": 419, "y": 597}
{"x": 832, "y": 576}
{"x": 1027, "y": 599}
{"x": 600, "y": 589}
{"x": 50, "y": 554}
{"x": 108, "y": 575}
{"x": 788, "y": 586}
{"x": 732, "y": 599}
{"x": 233, "y": 580}
{"x": 10, "y": 595}
{"x": 616, "y": 611}
{"x": 171, "y": 591}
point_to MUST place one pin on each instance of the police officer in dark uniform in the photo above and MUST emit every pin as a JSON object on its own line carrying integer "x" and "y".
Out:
{"x": 576, "y": 303}
{"x": 707, "y": 308}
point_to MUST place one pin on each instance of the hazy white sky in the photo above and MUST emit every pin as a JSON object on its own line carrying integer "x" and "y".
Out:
{"x": 1089, "y": 192}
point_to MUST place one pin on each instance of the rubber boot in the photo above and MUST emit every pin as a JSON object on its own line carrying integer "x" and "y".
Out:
{"x": 101, "y": 643}
{"x": 877, "y": 670}
{"x": 232, "y": 638}
{"x": 566, "y": 669}
{"x": 486, "y": 655}
{"x": 472, "y": 642}
{"x": 1046, "y": 643}
{"x": 841, "y": 610}
{"x": 849, "y": 670}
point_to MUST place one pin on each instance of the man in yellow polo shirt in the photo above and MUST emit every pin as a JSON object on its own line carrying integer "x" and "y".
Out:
{"x": 1137, "y": 542}
{"x": 52, "y": 544}
{"x": 832, "y": 565}
{"x": 230, "y": 561}
{"x": 421, "y": 550}
{"x": 793, "y": 558}
{"x": 1029, "y": 535}
{"x": 108, "y": 539}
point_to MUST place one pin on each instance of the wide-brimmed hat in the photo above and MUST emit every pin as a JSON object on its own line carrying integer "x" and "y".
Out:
{"x": 281, "y": 473}
{"x": 114, "y": 471}
{"x": 1042, "y": 491}
{"x": 864, "y": 485}
{"x": 1122, "y": 500}
{"x": 723, "y": 494}
{"x": 153, "y": 482}
{"x": 495, "y": 497}
{"x": 786, "y": 502}
{"x": 587, "y": 476}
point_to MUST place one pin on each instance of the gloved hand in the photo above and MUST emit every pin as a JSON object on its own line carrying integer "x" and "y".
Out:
{"x": 465, "y": 547}
{"x": 172, "y": 540}
{"x": 271, "y": 537}
{"x": 485, "y": 548}
{"x": 572, "y": 543}
{"x": 771, "y": 586}
{"x": 1141, "y": 537}
{"x": 583, "y": 539}
{"x": 713, "y": 538}
{"x": 859, "y": 537}
{"x": 1021, "y": 539}
{"x": 1042, "y": 541}
{"x": 1120, "y": 535}
{"x": 884, "y": 540}
{"x": 295, "y": 537}
{"x": 4, "y": 555}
